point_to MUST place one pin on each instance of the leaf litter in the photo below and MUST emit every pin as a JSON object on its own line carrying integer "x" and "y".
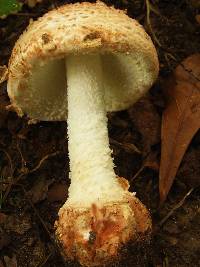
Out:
{"x": 146, "y": 119}
{"x": 181, "y": 119}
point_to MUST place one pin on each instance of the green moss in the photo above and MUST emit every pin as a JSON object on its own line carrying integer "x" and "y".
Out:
{"x": 9, "y": 6}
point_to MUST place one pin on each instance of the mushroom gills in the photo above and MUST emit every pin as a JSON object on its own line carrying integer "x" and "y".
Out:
{"x": 124, "y": 77}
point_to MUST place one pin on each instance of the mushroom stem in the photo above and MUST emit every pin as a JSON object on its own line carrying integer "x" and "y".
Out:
{"x": 92, "y": 176}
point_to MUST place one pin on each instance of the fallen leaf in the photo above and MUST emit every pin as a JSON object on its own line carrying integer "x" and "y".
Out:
{"x": 19, "y": 224}
{"x": 181, "y": 119}
{"x": 3, "y": 74}
{"x": 189, "y": 171}
{"x": 4, "y": 101}
{"x": 39, "y": 190}
{"x": 57, "y": 192}
{"x": 128, "y": 147}
{"x": 10, "y": 262}
{"x": 195, "y": 3}
{"x": 150, "y": 162}
{"x": 197, "y": 17}
{"x": 3, "y": 217}
{"x": 146, "y": 119}
{"x": 4, "y": 239}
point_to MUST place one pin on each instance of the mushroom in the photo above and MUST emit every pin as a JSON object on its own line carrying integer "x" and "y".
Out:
{"x": 76, "y": 63}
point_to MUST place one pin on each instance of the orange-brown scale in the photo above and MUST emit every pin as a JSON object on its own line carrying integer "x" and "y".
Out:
{"x": 108, "y": 232}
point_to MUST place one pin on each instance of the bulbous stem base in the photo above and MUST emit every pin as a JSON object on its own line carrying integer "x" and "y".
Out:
{"x": 94, "y": 236}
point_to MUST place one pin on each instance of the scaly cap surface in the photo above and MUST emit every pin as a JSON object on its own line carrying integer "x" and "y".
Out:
{"x": 37, "y": 83}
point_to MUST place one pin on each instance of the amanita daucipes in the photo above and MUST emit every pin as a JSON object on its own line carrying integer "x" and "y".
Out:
{"x": 76, "y": 63}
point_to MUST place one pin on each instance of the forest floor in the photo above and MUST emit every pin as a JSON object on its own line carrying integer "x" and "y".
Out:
{"x": 34, "y": 162}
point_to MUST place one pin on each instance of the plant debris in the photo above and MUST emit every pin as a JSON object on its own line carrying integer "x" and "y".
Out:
{"x": 39, "y": 190}
{"x": 146, "y": 119}
{"x": 181, "y": 119}
{"x": 57, "y": 192}
{"x": 177, "y": 206}
{"x": 10, "y": 261}
{"x": 3, "y": 74}
{"x": 8, "y": 7}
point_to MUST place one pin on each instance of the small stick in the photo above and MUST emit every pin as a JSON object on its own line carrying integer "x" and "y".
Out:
{"x": 177, "y": 206}
{"x": 42, "y": 160}
{"x": 149, "y": 9}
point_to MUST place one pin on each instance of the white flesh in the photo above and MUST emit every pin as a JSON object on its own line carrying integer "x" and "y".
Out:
{"x": 93, "y": 179}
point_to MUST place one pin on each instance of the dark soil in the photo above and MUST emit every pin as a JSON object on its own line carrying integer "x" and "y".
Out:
{"x": 34, "y": 163}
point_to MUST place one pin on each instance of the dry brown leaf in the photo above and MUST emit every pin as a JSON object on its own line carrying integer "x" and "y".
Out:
{"x": 18, "y": 223}
{"x": 3, "y": 74}
{"x": 147, "y": 121}
{"x": 3, "y": 217}
{"x": 150, "y": 162}
{"x": 4, "y": 239}
{"x": 181, "y": 119}
{"x": 197, "y": 17}
{"x": 10, "y": 262}
{"x": 188, "y": 172}
{"x": 57, "y": 192}
{"x": 39, "y": 190}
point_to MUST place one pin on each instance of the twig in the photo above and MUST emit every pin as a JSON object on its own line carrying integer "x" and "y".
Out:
{"x": 148, "y": 162}
{"x": 14, "y": 181}
{"x": 149, "y": 8}
{"x": 35, "y": 210}
{"x": 177, "y": 206}
{"x": 168, "y": 56}
{"x": 32, "y": 205}
{"x": 44, "y": 261}
{"x": 10, "y": 161}
{"x": 42, "y": 160}
{"x": 128, "y": 147}
{"x": 137, "y": 173}
{"x": 4, "y": 196}
{"x": 55, "y": 244}
{"x": 1, "y": 191}
{"x": 23, "y": 162}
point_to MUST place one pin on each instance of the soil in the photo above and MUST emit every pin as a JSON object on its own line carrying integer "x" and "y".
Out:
{"x": 34, "y": 165}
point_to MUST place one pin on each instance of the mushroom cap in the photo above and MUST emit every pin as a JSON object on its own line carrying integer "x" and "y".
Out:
{"x": 37, "y": 77}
